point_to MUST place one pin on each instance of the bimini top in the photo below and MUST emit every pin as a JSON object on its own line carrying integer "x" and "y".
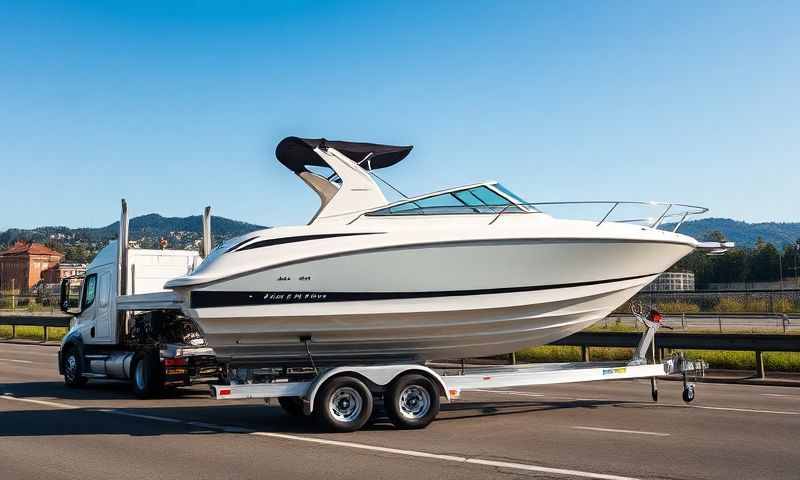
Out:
{"x": 297, "y": 153}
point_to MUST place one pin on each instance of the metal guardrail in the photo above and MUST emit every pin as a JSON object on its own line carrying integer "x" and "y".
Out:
{"x": 746, "y": 342}
{"x": 731, "y": 322}
{"x": 33, "y": 320}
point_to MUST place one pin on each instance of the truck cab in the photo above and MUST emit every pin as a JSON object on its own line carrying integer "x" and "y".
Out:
{"x": 126, "y": 326}
{"x": 96, "y": 319}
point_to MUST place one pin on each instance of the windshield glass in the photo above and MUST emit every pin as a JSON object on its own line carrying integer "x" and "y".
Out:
{"x": 480, "y": 199}
{"x": 508, "y": 193}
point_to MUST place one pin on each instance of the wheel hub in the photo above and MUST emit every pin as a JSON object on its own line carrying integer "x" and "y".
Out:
{"x": 71, "y": 367}
{"x": 345, "y": 404}
{"x": 415, "y": 402}
{"x": 138, "y": 375}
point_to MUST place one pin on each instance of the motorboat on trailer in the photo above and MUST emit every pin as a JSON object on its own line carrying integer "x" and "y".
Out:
{"x": 463, "y": 272}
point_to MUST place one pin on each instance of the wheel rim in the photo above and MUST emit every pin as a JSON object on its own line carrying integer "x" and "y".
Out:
{"x": 138, "y": 375}
{"x": 71, "y": 368}
{"x": 415, "y": 402}
{"x": 345, "y": 404}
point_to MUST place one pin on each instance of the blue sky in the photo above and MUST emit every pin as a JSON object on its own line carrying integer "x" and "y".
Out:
{"x": 176, "y": 105}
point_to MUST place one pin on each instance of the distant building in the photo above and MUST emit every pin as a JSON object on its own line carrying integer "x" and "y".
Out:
{"x": 672, "y": 282}
{"x": 62, "y": 270}
{"x": 21, "y": 265}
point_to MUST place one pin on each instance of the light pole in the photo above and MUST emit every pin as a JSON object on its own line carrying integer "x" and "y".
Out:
{"x": 796, "y": 272}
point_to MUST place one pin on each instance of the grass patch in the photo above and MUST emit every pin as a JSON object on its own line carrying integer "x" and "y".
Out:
{"x": 677, "y": 307}
{"x": 33, "y": 333}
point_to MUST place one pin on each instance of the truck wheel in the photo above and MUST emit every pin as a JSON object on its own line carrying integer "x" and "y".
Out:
{"x": 343, "y": 404}
{"x": 146, "y": 376}
{"x": 412, "y": 401}
{"x": 73, "y": 369}
{"x": 293, "y": 406}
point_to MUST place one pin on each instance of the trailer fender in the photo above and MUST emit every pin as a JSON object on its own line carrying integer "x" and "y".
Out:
{"x": 379, "y": 375}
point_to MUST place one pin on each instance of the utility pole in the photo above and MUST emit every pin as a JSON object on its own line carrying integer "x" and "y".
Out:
{"x": 780, "y": 268}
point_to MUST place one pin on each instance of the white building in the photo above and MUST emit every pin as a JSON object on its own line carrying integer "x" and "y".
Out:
{"x": 672, "y": 282}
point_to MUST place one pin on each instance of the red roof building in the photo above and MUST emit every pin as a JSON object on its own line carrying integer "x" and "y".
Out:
{"x": 21, "y": 265}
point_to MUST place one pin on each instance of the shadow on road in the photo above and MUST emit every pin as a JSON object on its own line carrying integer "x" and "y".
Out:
{"x": 94, "y": 390}
{"x": 21, "y": 419}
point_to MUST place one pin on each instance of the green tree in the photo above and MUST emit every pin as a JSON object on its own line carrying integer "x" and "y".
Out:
{"x": 764, "y": 264}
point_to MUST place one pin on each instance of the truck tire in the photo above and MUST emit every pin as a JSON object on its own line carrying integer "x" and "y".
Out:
{"x": 412, "y": 401}
{"x": 146, "y": 375}
{"x": 73, "y": 369}
{"x": 343, "y": 404}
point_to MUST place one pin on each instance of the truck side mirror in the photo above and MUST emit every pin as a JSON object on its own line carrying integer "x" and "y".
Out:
{"x": 67, "y": 304}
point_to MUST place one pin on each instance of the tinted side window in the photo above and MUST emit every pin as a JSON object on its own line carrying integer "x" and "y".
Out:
{"x": 89, "y": 291}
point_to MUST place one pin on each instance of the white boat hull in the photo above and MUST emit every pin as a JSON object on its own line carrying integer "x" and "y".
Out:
{"x": 502, "y": 296}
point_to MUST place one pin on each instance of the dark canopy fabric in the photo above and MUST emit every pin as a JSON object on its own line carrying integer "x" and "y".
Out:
{"x": 296, "y": 153}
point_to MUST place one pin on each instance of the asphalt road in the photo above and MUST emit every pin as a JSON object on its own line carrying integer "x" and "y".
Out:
{"x": 607, "y": 430}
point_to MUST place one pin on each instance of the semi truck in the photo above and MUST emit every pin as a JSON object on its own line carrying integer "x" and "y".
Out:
{"x": 126, "y": 326}
{"x": 147, "y": 341}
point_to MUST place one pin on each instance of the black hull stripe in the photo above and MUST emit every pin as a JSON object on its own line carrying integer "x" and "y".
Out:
{"x": 213, "y": 299}
{"x": 303, "y": 238}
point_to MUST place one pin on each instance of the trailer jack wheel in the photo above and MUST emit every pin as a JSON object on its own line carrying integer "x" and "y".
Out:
{"x": 654, "y": 389}
{"x": 688, "y": 393}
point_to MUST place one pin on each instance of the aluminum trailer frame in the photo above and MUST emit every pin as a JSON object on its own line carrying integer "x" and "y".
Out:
{"x": 451, "y": 386}
{"x": 385, "y": 378}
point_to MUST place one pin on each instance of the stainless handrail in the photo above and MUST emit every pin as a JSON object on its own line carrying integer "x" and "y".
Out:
{"x": 683, "y": 212}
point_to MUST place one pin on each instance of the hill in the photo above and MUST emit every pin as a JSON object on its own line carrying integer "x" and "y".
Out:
{"x": 743, "y": 233}
{"x": 146, "y": 231}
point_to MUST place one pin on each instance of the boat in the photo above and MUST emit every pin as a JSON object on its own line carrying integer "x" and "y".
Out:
{"x": 468, "y": 271}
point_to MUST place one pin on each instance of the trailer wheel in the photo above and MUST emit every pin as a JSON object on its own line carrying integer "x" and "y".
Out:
{"x": 293, "y": 406}
{"x": 73, "y": 369}
{"x": 344, "y": 404}
{"x": 146, "y": 376}
{"x": 412, "y": 401}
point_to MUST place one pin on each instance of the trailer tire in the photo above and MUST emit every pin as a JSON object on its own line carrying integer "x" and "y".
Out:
{"x": 412, "y": 401}
{"x": 293, "y": 406}
{"x": 73, "y": 369}
{"x": 343, "y": 404}
{"x": 146, "y": 375}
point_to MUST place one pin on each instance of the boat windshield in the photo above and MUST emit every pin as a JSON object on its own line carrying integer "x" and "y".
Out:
{"x": 480, "y": 199}
{"x": 508, "y": 193}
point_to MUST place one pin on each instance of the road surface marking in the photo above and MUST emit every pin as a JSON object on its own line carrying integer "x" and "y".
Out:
{"x": 448, "y": 458}
{"x": 139, "y": 415}
{"x": 530, "y": 394}
{"x": 358, "y": 446}
{"x": 507, "y": 392}
{"x": 615, "y": 430}
{"x": 727, "y": 409}
{"x": 15, "y": 361}
{"x": 780, "y": 395}
{"x": 39, "y": 402}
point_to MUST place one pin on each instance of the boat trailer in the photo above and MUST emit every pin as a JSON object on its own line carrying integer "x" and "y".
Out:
{"x": 342, "y": 397}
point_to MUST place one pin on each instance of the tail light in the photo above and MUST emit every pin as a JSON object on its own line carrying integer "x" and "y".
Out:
{"x": 176, "y": 362}
{"x": 655, "y": 316}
